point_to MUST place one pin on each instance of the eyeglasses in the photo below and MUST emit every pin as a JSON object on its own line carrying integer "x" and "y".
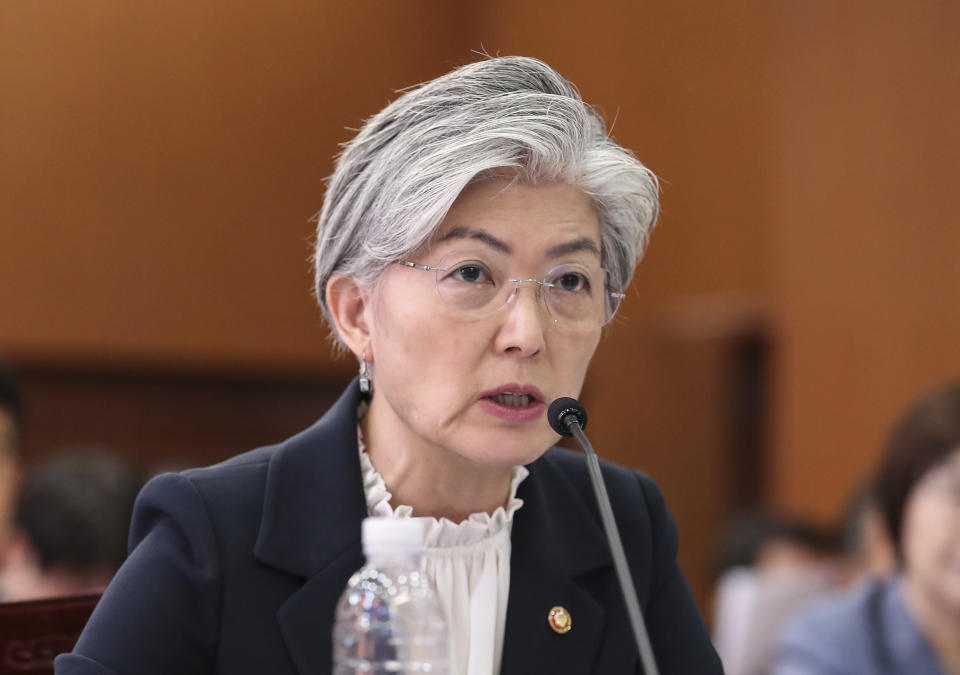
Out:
{"x": 476, "y": 284}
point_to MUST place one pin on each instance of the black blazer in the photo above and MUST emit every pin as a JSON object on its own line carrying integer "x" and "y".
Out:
{"x": 237, "y": 568}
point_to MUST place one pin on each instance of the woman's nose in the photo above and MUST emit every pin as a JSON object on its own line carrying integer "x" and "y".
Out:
{"x": 524, "y": 322}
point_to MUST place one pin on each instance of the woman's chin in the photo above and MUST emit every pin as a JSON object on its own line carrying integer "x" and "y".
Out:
{"x": 506, "y": 450}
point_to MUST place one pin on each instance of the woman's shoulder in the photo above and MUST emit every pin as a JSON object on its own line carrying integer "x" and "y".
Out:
{"x": 839, "y": 613}
{"x": 240, "y": 478}
{"x": 201, "y": 501}
{"x": 636, "y": 499}
{"x": 841, "y": 631}
{"x": 250, "y": 465}
{"x": 622, "y": 483}
{"x": 574, "y": 464}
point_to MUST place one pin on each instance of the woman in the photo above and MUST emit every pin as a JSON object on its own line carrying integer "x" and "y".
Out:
{"x": 910, "y": 623}
{"x": 475, "y": 237}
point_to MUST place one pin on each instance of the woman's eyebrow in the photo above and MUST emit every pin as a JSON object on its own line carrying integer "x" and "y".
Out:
{"x": 573, "y": 246}
{"x": 464, "y": 232}
{"x": 556, "y": 251}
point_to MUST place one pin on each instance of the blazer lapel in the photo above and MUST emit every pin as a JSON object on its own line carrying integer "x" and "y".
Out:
{"x": 306, "y": 619}
{"x": 555, "y": 540}
{"x": 530, "y": 645}
{"x": 313, "y": 506}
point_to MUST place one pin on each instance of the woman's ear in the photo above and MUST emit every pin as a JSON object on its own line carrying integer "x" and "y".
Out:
{"x": 350, "y": 307}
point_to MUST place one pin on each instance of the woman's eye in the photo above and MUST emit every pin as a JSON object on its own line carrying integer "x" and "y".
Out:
{"x": 572, "y": 282}
{"x": 470, "y": 274}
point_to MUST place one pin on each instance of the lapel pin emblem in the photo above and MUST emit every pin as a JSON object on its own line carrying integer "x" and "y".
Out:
{"x": 560, "y": 620}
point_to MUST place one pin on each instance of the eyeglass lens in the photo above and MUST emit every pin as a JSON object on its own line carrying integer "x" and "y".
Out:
{"x": 476, "y": 284}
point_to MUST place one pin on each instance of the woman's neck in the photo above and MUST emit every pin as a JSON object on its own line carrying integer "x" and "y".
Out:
{"x": 939, "y": 623}
{"x": 432, "y": 480}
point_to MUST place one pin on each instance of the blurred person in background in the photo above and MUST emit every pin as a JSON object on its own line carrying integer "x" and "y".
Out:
{"x": 910, "y": 622}
{"x": 70, "y": 527}
{"x": 768, "y": 565}
{"x": 475, "y": 238}
{"x": 771, "y": 566}
{"x": 869, "y": 550}
{"x": 11, "y": 430}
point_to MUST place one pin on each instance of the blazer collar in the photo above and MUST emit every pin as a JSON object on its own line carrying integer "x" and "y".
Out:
{"x": 559, "y": 523}
{"x": 313, "y": 506}
{"x": 314, "y": 500}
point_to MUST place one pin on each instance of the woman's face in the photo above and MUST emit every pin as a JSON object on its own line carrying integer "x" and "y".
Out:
{"x": 931, "y": 534}
{"x": 442, "y": 375}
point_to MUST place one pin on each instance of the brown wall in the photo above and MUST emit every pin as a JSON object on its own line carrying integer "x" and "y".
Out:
{"x": 866, "y": 153}
{"x": 161, "y": 162}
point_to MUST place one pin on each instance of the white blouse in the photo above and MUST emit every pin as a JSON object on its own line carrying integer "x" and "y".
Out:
{"x": 469, "y": 563}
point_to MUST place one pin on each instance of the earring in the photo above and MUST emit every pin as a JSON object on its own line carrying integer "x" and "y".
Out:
{"x": 365, "y": 384}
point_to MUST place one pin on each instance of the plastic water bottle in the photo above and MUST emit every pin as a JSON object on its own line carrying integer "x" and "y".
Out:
{"x": 388, "y": 619}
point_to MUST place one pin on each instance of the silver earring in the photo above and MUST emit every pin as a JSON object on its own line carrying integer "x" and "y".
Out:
{"x": 365, "y": 384}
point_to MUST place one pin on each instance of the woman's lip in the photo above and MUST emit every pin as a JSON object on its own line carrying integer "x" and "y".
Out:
{"x": 527, "y": 413}
{"x": 514, "y": 388}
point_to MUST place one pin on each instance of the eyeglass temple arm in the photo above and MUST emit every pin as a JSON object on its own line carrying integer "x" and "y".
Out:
{"x": 425, "y": 268}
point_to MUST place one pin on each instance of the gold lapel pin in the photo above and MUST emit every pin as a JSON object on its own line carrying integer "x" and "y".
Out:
{"x": 560, "y": 620}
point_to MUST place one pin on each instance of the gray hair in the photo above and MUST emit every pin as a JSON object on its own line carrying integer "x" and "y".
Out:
{"x": 398, "y": 177}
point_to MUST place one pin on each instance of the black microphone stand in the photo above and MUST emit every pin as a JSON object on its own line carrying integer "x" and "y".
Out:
{"x": 572, "y": 423}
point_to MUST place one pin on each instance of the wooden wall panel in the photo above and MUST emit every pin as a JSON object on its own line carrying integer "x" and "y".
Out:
{"x": 864, "y": 236}
{"x": 167, "y": 420}
{"x": 161, "y": 161}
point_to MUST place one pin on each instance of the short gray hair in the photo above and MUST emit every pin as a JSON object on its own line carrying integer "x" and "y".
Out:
{"x": 396, "y": 180}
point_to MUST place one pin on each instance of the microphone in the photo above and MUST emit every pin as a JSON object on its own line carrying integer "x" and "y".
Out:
{"x": 568, "y": 418}
{"x": 563, "y": 412}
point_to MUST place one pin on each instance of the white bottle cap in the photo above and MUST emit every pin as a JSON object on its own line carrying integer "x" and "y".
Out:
{"x": 392, "y": 535}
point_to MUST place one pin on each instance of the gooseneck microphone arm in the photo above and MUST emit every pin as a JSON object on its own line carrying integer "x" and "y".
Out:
{"x": 567, "y": 417}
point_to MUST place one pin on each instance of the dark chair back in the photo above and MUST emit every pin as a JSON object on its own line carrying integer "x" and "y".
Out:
{"x": 35, "y": 631}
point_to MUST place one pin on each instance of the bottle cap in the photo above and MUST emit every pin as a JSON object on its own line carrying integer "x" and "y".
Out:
{"x": 392, "y": 535}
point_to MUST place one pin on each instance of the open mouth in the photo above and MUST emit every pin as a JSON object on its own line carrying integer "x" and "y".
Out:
{"x": 512, "y": 400}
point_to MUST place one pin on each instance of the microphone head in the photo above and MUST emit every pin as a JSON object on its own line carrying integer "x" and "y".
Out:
{"x": 562, "y": 407}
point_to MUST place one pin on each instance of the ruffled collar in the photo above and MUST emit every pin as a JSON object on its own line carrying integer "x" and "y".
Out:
{"x": 442, "y": 533}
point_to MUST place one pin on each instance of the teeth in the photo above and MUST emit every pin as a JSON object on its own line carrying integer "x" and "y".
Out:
{"x": 512, "y": 400}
